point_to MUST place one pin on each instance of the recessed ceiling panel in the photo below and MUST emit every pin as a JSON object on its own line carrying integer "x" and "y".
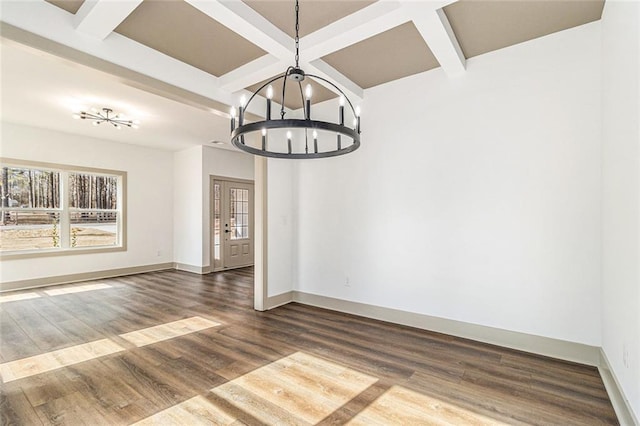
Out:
{"x": 181, "y": 31}
{"x": 393, "y": 54}
{"x": 293, "y": 98}
{"x": 314, "y": 14}
{"x": 71, "y": 6}
{"x": 483, "y": 26}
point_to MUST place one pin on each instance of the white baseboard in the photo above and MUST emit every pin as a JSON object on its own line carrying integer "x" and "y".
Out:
{"x": 279, "y": 300}
{"x": 85, "y": 276}
{"x": 201, "y": 270}
{"x": 620, "y": 403}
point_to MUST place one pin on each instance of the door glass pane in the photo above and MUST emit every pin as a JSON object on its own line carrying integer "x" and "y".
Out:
{"x": 216, "y": 221}
{"x": 239, "y": 214}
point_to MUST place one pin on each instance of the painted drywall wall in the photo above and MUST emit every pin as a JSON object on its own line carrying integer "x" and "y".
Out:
{"x": 474, "y": 198}
{"x": 621, "y": 194}
{"x": 149, "y": 199}
{"x": 188, "y": 207}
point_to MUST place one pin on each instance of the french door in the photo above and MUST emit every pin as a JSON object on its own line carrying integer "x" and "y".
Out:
{"x": 232, "y": 224}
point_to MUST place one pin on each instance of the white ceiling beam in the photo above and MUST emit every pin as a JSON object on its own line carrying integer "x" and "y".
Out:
{"x": 98, "y": 18}
{"x": 368, "y": 22}
{"x": 246, "y": 22}
{"x": 322, "y": 69}
{"x": 255, "y": 71}
{"x": 436, "y": 31}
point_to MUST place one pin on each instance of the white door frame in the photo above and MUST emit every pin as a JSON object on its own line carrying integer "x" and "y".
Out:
{"x": 212, "y": 179}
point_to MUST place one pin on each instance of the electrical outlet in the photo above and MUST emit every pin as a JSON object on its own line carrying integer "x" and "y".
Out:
{"x": 159, "y": 253}
{"x": 625, "y": 355}
{"x": 347, "y": 283}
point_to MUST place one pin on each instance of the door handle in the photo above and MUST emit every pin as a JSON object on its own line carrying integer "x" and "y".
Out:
{"x": 226, "y": 231}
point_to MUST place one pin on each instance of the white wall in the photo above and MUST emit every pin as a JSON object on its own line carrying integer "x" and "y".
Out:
{"x": 188, "y": 206}
{"x": 474, "y": 198}
{"x": 149, "y": 199}
{"x": 621, "y": 201}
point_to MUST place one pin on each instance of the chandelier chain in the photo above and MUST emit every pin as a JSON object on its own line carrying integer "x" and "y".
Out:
{"x": 297, "y": 36}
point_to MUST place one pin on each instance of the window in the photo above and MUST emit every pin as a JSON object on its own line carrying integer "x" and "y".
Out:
{"x": 50, "y": 208}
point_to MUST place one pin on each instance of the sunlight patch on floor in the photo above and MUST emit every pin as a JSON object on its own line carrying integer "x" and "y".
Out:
{"x": 402, "y": 406}
{"x": 21, "y": 296}
{"x": 195, "y": 411}
{"x": 169, "y": 330}
{"x": 76, "y": 289}
{"x": 299, "y": 388}
{"x": 42, "y": 363}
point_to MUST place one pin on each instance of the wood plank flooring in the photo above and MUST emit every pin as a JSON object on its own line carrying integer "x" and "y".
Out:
{"x": 177, "y": 348}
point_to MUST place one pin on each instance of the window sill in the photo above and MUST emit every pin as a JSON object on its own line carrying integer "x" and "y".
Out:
{"x": 30, "y": 254}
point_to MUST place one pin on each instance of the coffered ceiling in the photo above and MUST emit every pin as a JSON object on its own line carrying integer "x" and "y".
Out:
{"x": 220, "y": 49}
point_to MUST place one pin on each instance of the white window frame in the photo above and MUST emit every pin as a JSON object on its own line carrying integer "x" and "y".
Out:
{"x": 65, "y": 210}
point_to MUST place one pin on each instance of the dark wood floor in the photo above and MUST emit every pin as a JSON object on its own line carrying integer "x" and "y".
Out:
{"x": 375, "y": 370}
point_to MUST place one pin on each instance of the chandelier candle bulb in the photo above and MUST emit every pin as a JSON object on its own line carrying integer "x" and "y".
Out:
{"x": 315, "y": 141}
{"x": 243, "y": 101}
{"x": 269, "y": 97}
{"x": 307, "y": 92}
{"x": 264, "y": 139}
{"x": 339, "y": 142}
{"x": 232, "y": 113}
{"x": 289, "y": 141}
{"x": 342, "y": 110}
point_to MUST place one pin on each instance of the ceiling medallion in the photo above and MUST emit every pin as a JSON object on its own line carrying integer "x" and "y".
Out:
{"x": 106, "y": 115}
{"x": 295, "y": 138}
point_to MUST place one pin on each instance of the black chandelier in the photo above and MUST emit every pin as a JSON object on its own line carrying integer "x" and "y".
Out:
{"x": 106, "y": 116}
{"x": 289, "y": 137}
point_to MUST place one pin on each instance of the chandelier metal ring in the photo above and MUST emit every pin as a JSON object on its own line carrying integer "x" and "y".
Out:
{"x": 236, "y": 137}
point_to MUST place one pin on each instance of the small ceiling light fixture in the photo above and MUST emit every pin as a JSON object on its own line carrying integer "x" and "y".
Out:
{"x": 106, "y": 116}
{"x": 290, "y": 137}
